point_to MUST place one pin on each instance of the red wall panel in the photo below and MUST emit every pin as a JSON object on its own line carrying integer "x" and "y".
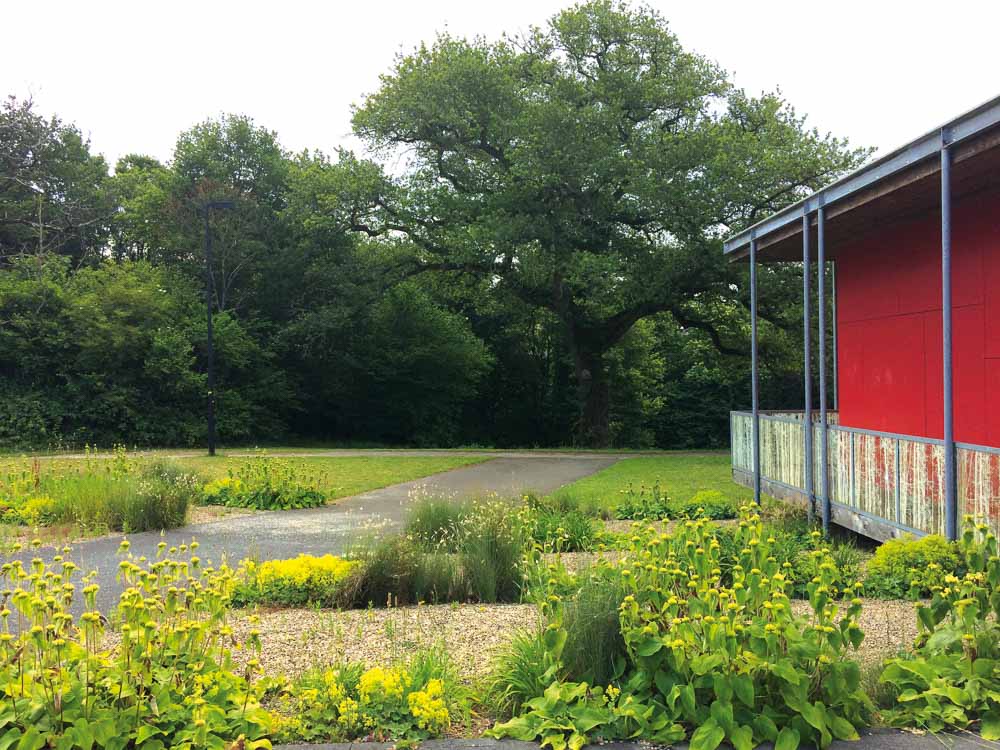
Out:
{"x": 889, "y": 325}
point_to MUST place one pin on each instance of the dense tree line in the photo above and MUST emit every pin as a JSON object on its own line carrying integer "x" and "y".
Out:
{"x": 528, "y": 254}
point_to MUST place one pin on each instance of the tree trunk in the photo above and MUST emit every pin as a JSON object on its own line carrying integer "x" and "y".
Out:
{"x": 593, "y": 428}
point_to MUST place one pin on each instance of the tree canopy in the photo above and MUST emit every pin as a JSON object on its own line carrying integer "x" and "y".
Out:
{"x": 589, "y": 168}
{"x": 528, "y": 254}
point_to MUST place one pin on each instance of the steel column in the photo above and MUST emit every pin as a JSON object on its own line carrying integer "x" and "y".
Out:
{"x": 807, "y": 359}
{"x": 824, "y": 437}
{"x": 833, "y": 342}
{"x": 754, "y": 371}
{"x": 950, "y": 478}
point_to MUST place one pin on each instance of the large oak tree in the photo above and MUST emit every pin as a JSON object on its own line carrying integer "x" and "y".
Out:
{"x": 589, "y": 168}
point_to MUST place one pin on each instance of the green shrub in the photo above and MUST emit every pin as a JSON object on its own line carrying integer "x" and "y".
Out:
{"x": 908, "y": 566}
{"x": 710, "y": 504}
{"x": 411, "y": 701}
{"x": 384, "y": 575}
{"x": 721, "y": 662}
{"x": 294, "y": 582}
{"x": 265, "y": 483}
{"x": 952, "y": 678}
{"x": 168, "y": 682}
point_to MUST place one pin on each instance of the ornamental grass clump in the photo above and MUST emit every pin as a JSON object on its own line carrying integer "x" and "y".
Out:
{"x": 265, "y": 483}
{"x": 169, "y": 680}
{"x": 99, "y": 494}
{"x": 708, "y": 660}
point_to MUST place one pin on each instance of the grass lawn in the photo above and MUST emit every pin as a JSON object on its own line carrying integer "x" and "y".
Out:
{"x": 337, "y": 476}
{"x": 343, "y": 476}
{"x": 680, "y": 476}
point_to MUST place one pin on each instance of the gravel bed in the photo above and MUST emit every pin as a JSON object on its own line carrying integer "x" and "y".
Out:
{"x": 295, "y": 640}
{"x": 890, "y": 627}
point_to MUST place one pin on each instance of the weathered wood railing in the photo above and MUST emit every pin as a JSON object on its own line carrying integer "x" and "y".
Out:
{"x": 881, "y": 484}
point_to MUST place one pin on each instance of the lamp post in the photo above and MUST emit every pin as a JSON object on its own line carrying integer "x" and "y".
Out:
{"x": 209, "y": 286}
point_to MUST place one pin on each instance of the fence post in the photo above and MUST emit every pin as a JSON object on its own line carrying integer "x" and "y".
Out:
{"x": 824, "y": 436}
{"x": 754, "y": 369}
{"x": 807, "y": 358}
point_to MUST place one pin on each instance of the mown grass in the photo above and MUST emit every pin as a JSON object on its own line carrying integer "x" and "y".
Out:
{"x": 679, "y": 475}
{"x": 337, "y": 476}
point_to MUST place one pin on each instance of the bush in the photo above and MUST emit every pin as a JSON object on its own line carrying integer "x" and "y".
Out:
{"x": 264, "y": 483}
{"x": 710, "y": 504}
{"x": 951, "y": 679}
{"x": 653, "y": 504}
{"x": 914, "y": 567}
{"x": 405, "y": 702}
{"x": 726, "y": 663}
{"x": 491, "y": 549}
{"x": 168, "y": 683}
{"x": 384, "y": 575}
{"x": 293, "y": 583}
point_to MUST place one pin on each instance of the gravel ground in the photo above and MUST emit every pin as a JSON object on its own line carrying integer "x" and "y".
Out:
{"x": 890, "y": 626}
{"x": 295, "y": 639}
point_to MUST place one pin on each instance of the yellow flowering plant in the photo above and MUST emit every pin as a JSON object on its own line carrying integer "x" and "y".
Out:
{"x": 952, "y": 677}
{"x": 294, "y": 582}
{"x": 348, "y": 702}
{"x": 726, "y": 658}
{"x": 160, "y": 677}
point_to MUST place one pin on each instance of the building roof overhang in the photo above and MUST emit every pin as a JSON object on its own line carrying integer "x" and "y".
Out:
{"x": 905, "y": 182}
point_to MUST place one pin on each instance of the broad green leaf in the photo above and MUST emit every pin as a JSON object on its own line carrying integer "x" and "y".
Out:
{"x": 841, "y": 728}
{"x": 708, "y": 736}
{"x": 990, "y": 727}
{"x": 788, "y": 739}
{"x": 743, "y": 688}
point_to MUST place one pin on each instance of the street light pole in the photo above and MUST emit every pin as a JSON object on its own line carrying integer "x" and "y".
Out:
{"x": 210, "y": 351}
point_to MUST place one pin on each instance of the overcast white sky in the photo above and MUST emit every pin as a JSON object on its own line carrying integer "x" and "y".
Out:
{"x": 134, "y": 74}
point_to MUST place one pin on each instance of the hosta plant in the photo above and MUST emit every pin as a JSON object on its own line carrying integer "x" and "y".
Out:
{"x": 952, "y": 677}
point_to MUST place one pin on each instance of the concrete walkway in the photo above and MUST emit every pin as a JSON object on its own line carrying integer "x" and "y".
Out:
{"x": 332, "y": 529}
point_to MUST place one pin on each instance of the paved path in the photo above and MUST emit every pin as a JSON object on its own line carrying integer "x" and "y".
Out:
{"x": 332, "y": 529}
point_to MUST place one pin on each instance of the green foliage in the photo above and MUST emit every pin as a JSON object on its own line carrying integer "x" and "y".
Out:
{"x": 557, "y": 527}
{"x": 730, "y": 662}
{"x": 435, "y": 522}
{"x": 594, "y": 651}
{"x": 296, "y": 582}
{"x": 952, "y": 677}
{"x": 653, "y": 504}
{"x": 519, "y": 673}
{"x": 480, "y": 559}
{"x": 908, "y": 566}
{"x": 265, "y": 483}
{"x": 169, "y": 683}
{"x": 120, "y": 495}
{"x": 415, "y": 700}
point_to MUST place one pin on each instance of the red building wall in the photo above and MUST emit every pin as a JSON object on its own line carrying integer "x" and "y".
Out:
{"x": 889, "y": 325}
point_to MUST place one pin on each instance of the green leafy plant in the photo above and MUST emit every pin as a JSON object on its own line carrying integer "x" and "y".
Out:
{"x": 643, "y": 504}
{"x": 908, "y": 566}
{"x": 265, "y": 483}
{"x": 168, "y": 683}
{"x": 411, "y": 701}
{"x": 952, "y": 677}
{"x": 725, "y": 662}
